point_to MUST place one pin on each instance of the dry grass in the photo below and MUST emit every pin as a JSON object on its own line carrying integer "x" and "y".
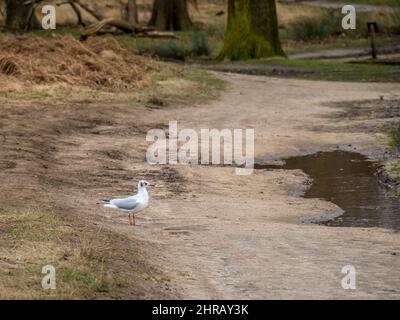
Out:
{"x": 175, "y": 85}
{"x": 33, "y": 237}
{"x": 99, "y": 63}
{"x": 292, "y": 14}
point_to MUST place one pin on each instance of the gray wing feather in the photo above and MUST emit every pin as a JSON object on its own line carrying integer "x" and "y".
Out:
{"x": 125, "y": 204}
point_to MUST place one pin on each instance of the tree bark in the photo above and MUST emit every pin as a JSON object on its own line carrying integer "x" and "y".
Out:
{"x": 252, "y": 30}
{"x": 170, "y": 15}
{"x": 133, "y": 16}
{"x": 18, "y": 16}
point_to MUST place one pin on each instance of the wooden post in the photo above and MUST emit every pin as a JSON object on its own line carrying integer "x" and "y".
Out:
{"x": 372, "y": 28}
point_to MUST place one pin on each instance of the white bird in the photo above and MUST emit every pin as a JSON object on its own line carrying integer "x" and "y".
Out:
{"x": 131, "y": 205}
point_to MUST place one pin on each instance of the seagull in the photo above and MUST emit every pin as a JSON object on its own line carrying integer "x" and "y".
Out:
{"x": 131, "y": 205}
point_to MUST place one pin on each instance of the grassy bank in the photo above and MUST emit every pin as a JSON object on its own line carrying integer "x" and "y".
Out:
{"x": 314, "y": 70}
{"x": 87, "y": 260}
{"x": 33, "y": 237}
{"x": 336, "y": 71}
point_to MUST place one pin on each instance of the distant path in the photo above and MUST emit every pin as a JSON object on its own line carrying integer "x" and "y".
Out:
{"x": 336, "y": 5}
{"x": 346, "y": 53}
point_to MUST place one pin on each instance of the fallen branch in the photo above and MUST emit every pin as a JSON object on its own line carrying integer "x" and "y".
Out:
{"x": 77, "y": 12}
{"x": 157, "y": 34}
{"x": 115, "y": 25}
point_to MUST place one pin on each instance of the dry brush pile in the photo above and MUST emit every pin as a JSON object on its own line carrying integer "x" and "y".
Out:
{"x": 99, "y": 63}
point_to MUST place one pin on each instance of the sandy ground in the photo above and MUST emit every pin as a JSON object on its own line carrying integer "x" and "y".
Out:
{"x": 348, "y": 54}
{"x": 240, "y": 237}
{"x": 358, "y": 7}
{"x": 213, "y": 233}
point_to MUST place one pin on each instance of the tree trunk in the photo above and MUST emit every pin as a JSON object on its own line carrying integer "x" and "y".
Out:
{"x": 170, "y": 15}
{"x": 18, "y": 15}
{"x": 133, "y": 16}
{"x": 252, "y": 30}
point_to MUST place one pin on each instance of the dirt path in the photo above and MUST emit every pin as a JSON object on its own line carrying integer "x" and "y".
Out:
{"x": 218, "y": 235}
{"x": 215, "y": 234}
{"x": 348, "y": 54}
{"x": 359, "y": 7}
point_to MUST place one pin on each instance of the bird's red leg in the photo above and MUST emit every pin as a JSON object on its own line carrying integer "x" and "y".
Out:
{"x": 130, "y": 221}
{"x": 134, "y": 220}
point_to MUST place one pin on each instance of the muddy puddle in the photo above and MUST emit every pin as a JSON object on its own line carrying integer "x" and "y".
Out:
{"x": 348, "y": 180}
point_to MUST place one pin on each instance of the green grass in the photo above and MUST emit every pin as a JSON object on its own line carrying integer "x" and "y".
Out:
{"x": 394, "y": 135}
{"x": 193, "y": 43}
{"x": 84, "y": 278}
{"x": 334, "y": 71}
{"x": 200, "y": 45}
{"x": 34, "y": 237}
{"x": 40, "y": 228}
{"x": 30, "y": 225}
{"x": 310, "y": 29}
{"x": 172, "y": 49}
{"x": 396, "y": 168}
{"x": 185, "y": 86}
{"x": 205, "y": 80}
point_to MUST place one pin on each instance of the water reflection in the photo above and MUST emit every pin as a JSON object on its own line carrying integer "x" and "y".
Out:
{"x": 347, "y": 179}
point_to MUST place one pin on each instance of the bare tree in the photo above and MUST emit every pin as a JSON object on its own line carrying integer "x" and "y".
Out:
{"x": 133, "y": 15}
{"x": 19, "y": 15}
{"x": 170, "y": 15}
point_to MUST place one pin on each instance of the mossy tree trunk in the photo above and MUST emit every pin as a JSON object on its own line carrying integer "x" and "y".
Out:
{"x": 170, "y": 15}
{"x": 18, "y": 16}
{"x": 252, "y": 30}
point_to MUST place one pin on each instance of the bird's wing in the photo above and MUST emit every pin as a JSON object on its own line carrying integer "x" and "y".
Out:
{"x": 126, "y": 204}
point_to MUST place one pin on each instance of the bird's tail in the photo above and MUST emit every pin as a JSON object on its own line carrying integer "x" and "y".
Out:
{"x": 107, "y": 204}
{"x": 103, "y": 202}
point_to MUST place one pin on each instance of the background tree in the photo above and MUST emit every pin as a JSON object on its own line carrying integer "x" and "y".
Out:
{"x": 130, "y": 11}
{"x": 133, "y": 15}
{"x": 170, "y": 15}
{"x": 19, "y": 15}
{"x": 252, "y": 30}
